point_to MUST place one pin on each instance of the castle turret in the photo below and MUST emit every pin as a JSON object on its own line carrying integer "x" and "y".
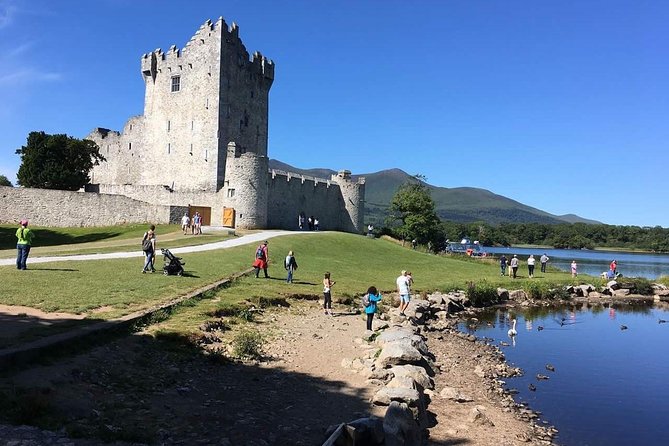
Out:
{"x": 246, "y": 187}
{"x": 353, "y": 194}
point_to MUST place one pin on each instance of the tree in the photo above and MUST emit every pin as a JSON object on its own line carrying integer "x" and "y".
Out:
{"x": 4, "y": 181}
{"x": 57, "y": 161}
{"x": 413, "y": 215}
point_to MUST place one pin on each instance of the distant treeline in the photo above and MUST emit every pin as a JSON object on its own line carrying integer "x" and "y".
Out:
{"x": 564, "y": 235}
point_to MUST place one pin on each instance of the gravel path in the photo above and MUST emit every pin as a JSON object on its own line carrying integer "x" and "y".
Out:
{"x": 239, "y": 241}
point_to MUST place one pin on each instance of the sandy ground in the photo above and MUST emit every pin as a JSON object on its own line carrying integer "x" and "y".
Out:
{"x": 142, "y": 388}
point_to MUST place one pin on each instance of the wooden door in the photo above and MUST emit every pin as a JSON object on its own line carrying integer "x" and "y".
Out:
{"x": 205, "y": 213}
{"x": 229, "y": 217}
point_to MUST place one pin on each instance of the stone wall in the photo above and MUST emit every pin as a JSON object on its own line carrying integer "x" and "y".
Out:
{"x": 58, "y": 208}
{"x": 290, "y": 194}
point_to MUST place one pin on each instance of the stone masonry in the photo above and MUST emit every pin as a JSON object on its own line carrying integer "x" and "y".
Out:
{"x": 202, "y": 141}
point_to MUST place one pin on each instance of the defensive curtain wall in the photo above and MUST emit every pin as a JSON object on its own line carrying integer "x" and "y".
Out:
{"x": 43, "y": 207}
{"x": 202, "y": 142}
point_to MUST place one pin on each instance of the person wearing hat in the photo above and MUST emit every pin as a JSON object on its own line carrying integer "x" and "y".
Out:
{"x": 25, "y": 240}
{"x": 262, "y": 259}
{"x": 403, "y": 290}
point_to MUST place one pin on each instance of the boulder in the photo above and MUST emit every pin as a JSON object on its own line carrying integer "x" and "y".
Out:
{"x": 518, "y": 295}
{"x": 503, "y": 293}
{"x": 400, "y": 427}
{"x": 400, "y": 394}
{"x": 612, "y": 285}
{"x": 398, "y": 353}
{"x": 417, "y": 373}
{"x": 436, "y": 298}
{"x": 478, "y": 416}
{"x": 621, "y": 292}
{"x": 405, "y": 382}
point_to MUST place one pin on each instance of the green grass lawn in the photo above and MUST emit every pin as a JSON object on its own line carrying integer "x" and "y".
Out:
{"x": 355, "y": 263}
{"x": 69, "y": 241}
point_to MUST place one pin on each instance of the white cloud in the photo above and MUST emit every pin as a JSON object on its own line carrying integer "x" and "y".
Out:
{"x": 24, "y": 75}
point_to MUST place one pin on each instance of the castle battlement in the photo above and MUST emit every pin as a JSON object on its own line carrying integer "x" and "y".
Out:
{"x": 303, "y": 178}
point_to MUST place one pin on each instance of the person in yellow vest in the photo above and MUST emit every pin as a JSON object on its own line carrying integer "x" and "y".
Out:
{"x": 25, "y": 240}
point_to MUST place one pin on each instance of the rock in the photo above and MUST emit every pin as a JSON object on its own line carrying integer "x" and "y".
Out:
{"x": 451, "y": 393}
{"x": 400, "y": 394}
{"x": 478, "y": 371}
{"x": 503, "y": 293}
{"x": 405, "y": 382}
{"x": 478, "y": 416}
{"x": 395, "y": 333}
{"x": 621, "y": 292}
{"x": 518, "y": 295}
{"x": 436, "y": 298}
{"x": 417, "y": 373}
{"x": 396, "y": 354}
{"x": 613, "y": 285}
{"x": 594, "y": 295}
{"x": 400, "y": 427}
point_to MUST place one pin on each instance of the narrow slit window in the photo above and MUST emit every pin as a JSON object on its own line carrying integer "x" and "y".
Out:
{"x": 231, "y": 193}
{"x": 176, "y": 83}
{"x": 169, "y": 148}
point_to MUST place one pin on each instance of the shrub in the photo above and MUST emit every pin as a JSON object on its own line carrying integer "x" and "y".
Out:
{"x": 481, "y": 294}
{"x": 638, "y": 285}
{"x": 248, "y": 345}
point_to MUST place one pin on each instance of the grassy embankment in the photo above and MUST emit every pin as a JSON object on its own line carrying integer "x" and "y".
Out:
{"x": 70, "y": 241}
{"x": 110, "y": 288}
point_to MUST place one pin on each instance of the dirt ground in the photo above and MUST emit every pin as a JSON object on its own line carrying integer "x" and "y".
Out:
{"x": 161, "y": 389}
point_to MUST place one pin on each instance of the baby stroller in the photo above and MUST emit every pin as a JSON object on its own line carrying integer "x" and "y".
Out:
{"x": 173, "y": 264}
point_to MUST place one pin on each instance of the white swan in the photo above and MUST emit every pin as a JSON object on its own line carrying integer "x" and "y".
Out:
{"x": 512, "y": 331}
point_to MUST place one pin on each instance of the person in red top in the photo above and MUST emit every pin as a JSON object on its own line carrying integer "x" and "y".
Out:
{"x": 613, "y": 267}
{"x": 262, "y": 259}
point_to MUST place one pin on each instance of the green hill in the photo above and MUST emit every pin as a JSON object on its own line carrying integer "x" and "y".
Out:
{"x": 459, "y": 204}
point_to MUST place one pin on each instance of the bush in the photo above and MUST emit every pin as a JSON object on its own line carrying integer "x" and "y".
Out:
{"x": 638, "y": 285}
{"x": 481, "y": 294}
{"x": 248, "y": 345}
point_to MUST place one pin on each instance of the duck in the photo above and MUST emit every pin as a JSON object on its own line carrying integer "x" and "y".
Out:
{"x": 512, "y": 331}
{"x": 503, "y": 344}
{"x": 661, "y": 321}
{"x": 532, "y": 387}
{"x": 540, "y": 376}
{"x": 623, "y": 327}
{"x": 550, "y": 367}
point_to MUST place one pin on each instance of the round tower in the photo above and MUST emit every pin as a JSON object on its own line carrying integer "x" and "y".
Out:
{"x": 353, "y": 194}
{"x": 246, "y": 187}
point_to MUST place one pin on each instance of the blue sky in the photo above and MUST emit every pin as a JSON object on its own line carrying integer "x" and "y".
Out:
{"x": 561, "y": 105}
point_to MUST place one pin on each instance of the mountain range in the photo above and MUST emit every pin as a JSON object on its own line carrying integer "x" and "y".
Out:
{"x": 458, "y": 204}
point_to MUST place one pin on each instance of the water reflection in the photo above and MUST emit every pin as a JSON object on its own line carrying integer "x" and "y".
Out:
{"x": 609, "y": 383}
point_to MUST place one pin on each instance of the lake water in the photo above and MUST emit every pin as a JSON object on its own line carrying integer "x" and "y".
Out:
{"x": 650, "y": 266}
{"x": 609, "y": 386}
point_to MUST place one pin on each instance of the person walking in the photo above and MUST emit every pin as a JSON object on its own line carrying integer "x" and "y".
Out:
{"x": 185, "y": 223}
{"x": 514, "y": 266}
{"x": 574, "y": 268}
{"x": 291, "y": 265}
{"x": 149, "y": 248}
{"x": 544, "y": 261}
{"x": 24, "y": 236}
{"x": 327, "y": 293}
{"x": 369, "y": 302}
{"x": 262, "y": 259}
{"x": 530, "y": 266}
{"x": 502, "y": 265}
{"x": 403, "y": 290}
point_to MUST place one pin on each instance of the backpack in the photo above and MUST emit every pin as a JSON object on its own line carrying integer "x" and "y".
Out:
{"x": 260, "y": 254}
{"x": 365, "y": 300}
{"x": 146, "y": 243}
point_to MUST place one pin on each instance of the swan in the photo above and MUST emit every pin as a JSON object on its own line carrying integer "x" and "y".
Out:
{"x": 512, "y": 331}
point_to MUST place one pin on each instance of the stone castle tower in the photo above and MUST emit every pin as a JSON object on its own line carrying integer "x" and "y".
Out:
{"x": 202, "y": 142}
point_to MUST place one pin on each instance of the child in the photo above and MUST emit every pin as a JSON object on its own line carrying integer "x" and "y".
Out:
{"x": 373, "y": 296}
{"x": 291, "y": 265}
{"x": 327, "y": 294}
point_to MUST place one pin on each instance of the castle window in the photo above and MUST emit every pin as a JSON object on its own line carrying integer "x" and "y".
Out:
{"x": 231, "y": 193}
{"x": 129, "y": 146}
{"x": 176, "y": 83}
{"x": 169, "y": 125}
{"x": 206, "y": 152}
{"x": 169, "y": 148}
{"x": 191, "y": 149}
{"x": 192, "y": 125}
